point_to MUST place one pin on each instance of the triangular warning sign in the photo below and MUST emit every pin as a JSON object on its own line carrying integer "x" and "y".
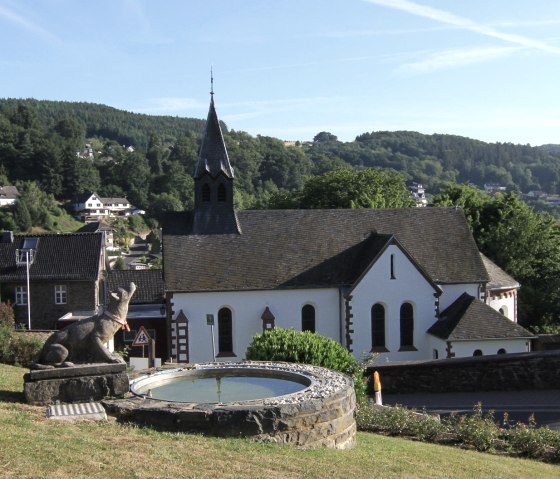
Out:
{"x": 142, "y": 337}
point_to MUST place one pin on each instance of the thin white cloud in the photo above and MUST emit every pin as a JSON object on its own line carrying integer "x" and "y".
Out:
{"x": 20, "y": 21}
{"x": 143, "y": 27}
{"x": 377, "y": 33}
{"x": 447, "y": 18}
{"x": 455, "y": 58}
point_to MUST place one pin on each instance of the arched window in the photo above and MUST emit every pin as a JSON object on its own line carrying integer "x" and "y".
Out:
{"x": 393, "y": 267}
{"x": 378, "y": 328}
{"x": 308, "y": 318}
{"x": 477, "y": 352}
{"x": 205, "y": 192}
{"x": 221, "y": 193}
{"x": 501, "y": 351}
{"x": 225, "y": 332}
{"x": 407, "y": 327}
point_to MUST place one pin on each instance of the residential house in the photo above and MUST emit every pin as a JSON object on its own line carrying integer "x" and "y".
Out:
{"x": 390, "y": 281}
{"x": 418, "y": 193}
{"x": 66, "y": 273}
{"x": 8, "y": 195}
{"x": 91, "y": 207}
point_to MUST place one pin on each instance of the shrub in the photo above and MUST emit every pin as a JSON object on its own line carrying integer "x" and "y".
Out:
{"x": 7, "y": 317}
{"x": 400, "y": 421}
{"x": 18, "y": 348}
{"x": 310, "y": 348}
{"x": 536, "y": 443}
{"x": 478, "y": 430}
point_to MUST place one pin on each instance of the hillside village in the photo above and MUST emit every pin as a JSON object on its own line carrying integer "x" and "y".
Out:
{"x": 377, "y": 281}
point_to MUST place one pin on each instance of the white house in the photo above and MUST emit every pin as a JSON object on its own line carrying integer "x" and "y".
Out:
{"x": 8, "y": 195}
{"x": 406, "y": 283}
{"x": 90, "y": 206}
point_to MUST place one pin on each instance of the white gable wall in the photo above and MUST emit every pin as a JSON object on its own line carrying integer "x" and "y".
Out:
{"x": 452, "y": 291}
{"x": 247, "y": 308}
{"x": 408, "y": 285}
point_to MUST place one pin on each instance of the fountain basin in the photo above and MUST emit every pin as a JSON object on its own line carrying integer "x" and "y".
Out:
{"x": 319, "y": 413}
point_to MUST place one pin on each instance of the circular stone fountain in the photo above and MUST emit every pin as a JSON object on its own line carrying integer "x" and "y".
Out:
{"x": 285, "y": 403}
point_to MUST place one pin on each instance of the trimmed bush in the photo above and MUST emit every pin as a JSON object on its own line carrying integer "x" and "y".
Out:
{"x": 294, "y": 346}
{"x": 18, "y": 348}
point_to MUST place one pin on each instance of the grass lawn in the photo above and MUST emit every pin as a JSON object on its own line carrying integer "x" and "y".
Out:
{"x": 33, "y": 447}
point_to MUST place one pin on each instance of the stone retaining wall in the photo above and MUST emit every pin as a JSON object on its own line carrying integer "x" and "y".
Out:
{"x": 504, "y": 372}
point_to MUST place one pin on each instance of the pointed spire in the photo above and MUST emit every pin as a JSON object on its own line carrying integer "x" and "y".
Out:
{"x": 211, "y": 83}
{"x": 213, "y": 157}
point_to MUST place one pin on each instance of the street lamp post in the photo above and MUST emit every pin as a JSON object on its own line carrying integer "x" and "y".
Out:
{"x": 25, "y": 256}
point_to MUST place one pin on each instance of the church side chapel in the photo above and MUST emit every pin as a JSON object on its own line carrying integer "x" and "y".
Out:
{"x": 405, "y": 283}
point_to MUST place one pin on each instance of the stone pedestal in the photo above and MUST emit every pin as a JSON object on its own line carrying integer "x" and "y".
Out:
{"x": 84, "y": 382}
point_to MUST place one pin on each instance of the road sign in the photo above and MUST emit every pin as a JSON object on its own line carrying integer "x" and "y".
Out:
{"x": 142, "y": 337}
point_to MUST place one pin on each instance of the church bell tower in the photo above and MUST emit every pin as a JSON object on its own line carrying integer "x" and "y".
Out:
{"x": 213, "y": 182}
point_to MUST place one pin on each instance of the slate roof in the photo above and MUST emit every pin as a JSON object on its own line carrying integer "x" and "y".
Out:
{"x": 112, "y": 201}
{"x": 213, "y": 157}
{"x": 316, "y": 248}
{"x": 499, "y": 279}
{"x": 468, "y": 318}
{"x": 149, "y": 284}
{"x": 94, "y": 227}
{"x": 9, "y": 192}
{"x": 73, "y": 256}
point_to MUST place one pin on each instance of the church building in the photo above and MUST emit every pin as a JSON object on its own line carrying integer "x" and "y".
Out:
{"x": 406, "y": 283}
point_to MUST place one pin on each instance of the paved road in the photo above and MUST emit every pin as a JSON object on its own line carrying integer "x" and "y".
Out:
{"x": 545, "y": 404}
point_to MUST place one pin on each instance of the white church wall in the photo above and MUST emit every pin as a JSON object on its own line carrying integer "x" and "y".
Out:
{"x": 452, "y": 291}
{"x": 407, "y": 285}
{"x": 506, "y": 303}
{"x": 247, "y": 308}
{"x": 490, "y": 346}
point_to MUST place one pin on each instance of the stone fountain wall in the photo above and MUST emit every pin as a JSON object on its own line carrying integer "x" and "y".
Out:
{"x": 320, "y": 416}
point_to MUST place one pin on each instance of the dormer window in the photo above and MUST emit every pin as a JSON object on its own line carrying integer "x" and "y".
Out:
{"x": 205, "y": 192}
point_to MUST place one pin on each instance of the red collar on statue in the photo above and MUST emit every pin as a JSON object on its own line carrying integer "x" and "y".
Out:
{"x": 115, "y": 318}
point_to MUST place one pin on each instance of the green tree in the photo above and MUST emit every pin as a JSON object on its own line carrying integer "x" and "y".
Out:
{"x": 350, "y": 188}
{"x": 22, "y": 216}
{"x": 120, "y": 264}
{"x": 468, "y": 197}
{"x": 324, "y": 136}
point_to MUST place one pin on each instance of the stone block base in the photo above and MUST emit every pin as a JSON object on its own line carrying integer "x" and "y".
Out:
{"x": 81, "y": 383}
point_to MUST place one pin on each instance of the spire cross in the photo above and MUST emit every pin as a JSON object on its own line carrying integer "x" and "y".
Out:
{"x": 211, "y": 81}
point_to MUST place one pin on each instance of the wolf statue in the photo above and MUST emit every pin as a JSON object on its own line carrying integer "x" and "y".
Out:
{"x": 83, "y": 341}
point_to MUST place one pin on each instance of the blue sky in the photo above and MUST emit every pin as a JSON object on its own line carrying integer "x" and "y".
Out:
{"x": 486, "y": 69}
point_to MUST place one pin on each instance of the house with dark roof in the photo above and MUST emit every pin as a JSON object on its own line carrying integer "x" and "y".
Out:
{"x": 8, "y": 195}
{"x": 47, "y": 276}
{"x": 103, "y": 228}
{"x": 376, "y": 280}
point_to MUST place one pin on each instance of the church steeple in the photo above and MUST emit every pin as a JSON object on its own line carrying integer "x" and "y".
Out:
{"x": 213, "y": 182}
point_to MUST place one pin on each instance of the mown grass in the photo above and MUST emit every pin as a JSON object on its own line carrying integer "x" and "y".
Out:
{"x": 34, "y": 447}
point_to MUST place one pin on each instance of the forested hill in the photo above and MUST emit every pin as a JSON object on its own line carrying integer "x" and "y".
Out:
{"x": 437, "y": 158}
{"x": 103, "y": 121}
{"x": 43, "y": 142}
